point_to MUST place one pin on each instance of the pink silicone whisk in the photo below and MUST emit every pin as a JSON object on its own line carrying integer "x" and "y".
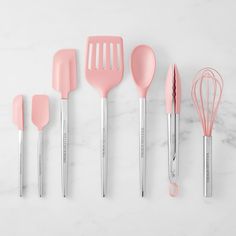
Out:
{"x": 206, "y": 93}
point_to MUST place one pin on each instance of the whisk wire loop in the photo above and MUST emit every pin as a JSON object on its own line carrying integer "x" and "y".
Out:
{"x": 206, "y": 93}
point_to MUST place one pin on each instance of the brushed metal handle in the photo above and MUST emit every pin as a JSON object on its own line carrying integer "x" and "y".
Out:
{"x": 64, "y": 146}
{"x": 142, "y": 146}
{"x": 104, "y": 146}
{"x": 207, "y": 166}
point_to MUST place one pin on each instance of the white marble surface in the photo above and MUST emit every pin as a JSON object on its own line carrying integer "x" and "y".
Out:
{"x": 192, "y": 34}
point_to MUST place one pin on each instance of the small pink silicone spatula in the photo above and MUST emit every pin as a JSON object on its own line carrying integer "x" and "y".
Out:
{"x": 40, "y": 118}
{"x": 104, "y": 70}
{"x": 64, "y": 81}
{"x": 173, "y": 97}
{"x": 18, "y": 119}
{"x": 143, "y": 65}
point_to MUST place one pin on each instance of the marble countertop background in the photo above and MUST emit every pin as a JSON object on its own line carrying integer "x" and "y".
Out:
{"x": 193, "y": 34}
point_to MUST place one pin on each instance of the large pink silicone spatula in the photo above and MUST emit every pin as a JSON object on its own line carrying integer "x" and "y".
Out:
{"x": 40, "y": 118}
{"x": 104, "y": 70}
{"x": 18, "y": 119}
{"x": 143, "y": 65}
{"x": 64, "y": 81}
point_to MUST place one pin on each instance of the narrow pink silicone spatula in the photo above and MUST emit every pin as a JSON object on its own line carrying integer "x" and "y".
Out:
{"x": 40, "y": 118}
{"x": 143, "y": 65}
{"x": 104, "y": 70}
{"x": 64, "y": 81}
{"x": 18, "y": 119}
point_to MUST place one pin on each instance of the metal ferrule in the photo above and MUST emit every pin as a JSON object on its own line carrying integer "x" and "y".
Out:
{"x": 173, "y": 147}
{"x": 207, "y": 166}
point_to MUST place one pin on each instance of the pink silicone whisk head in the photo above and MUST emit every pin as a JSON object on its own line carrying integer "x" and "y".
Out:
{"x": 206, "y": 94}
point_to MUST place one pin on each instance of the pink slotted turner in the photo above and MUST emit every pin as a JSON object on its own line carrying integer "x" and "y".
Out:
{"x": 104, "y": 70}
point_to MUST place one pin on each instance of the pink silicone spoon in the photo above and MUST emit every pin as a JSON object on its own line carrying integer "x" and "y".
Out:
{"x": 104, "y": 70}
{"x": 40, "y": 118}
{"x": 18, "y": 119}
{"x": 64, "y": 81}
{"x": 143, "y": 65}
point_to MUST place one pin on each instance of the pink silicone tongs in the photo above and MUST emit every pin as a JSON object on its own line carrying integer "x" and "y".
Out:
{"x": 173, "y": 96}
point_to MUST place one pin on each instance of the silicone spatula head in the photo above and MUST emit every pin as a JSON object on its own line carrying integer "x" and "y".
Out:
{"x": 143, "y": 65}
{"x": 40, "y": 111}
{"x": 18, "y": 112}
{"x": 64, "y": 72}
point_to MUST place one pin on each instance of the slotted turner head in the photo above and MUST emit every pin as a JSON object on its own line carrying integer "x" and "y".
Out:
{"x": 104, "y": 62}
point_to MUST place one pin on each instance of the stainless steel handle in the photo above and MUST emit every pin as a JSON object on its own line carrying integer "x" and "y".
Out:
{"x": 142, "y": 146}
{"x": 21, "y": 162}
{"x": 173, "y": 147}
{"x": 40, "y": 163}
{"x": 207, "y": 166}
{"x": 64, "y": 146}
{"x": 104, "y": 145}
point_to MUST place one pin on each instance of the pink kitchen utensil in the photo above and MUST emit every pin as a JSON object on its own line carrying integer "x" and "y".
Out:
{"x": 18, "y": 119}
{"x": 143, "y": 65}
{"x": 173, "y": 99}
{"x": 104, "y": 70}
{"x": 64, "y": 81}
{"x": 40, "y": 118}
{"x": 206, "y": 93}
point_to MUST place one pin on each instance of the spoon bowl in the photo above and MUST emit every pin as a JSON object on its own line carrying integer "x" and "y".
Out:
{"x": 143, "y": 65}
